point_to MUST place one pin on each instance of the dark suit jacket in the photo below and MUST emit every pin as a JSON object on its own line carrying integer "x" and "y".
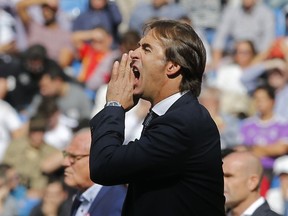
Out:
{"x": 175, "y": 168}
{"x": 109, "y": 201}
{"x": 264, "y": 210}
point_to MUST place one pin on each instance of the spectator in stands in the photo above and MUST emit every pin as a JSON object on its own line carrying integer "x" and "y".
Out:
{"x": 7, "y": 32}
{"x": 242, "y": 178}
{"x": 8, "y": 204}
{"x": 154, "y": 9}
{"x": 55, "y": 200}
{"x": 235, "y": 98}
{"x": 277, "y": 196}
{"x": 17, "y": 190}
{"x": 264, "y": 133}
{"x": 57, "y": 133}
{"x": 95, "y": 199}
{"x": 28, "y": 153}
{"x": 244, "y": 22}
{"x": 228, "y": 125}
{"x": 205, "y": 15}
{"x": 11, "y": 126}
{"x": 20, "y": 77}
{"x": 128, "y": 41}
{"x": 101, "y": 13}
{"x": 277, "y": 49}
{"x": 61, "y": 48}
{"x": 96, "y": 56}
{"x": 275, "y": 73}
{"x": 72, "y": 101}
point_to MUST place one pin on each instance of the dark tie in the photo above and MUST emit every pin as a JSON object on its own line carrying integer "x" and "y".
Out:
{"x": 151, "y": 115}
{"x": 75, "y": 205}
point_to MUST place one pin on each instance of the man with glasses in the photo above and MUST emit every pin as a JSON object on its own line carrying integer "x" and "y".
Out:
{"x": 91, "y": 199}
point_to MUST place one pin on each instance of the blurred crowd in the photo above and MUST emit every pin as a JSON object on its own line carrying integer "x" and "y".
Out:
{"x": 56, "y": 58}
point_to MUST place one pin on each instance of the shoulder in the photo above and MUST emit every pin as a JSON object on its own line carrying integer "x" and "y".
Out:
{"x": 264, "y": 210}
{"x": 252, "y": 120}
{"x": 116, "y": 189}
{"x": 77, "y": 89}
{"x": 5, "y": 106}
{"x": 188, "y": 111}
{"x": 231, "y": 10}
{"x": 260, "y": 7}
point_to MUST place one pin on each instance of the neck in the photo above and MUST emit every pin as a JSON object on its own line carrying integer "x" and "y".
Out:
{"x": 51, "y": 24}
{"x": 248, "y": 9}
{"x": 85, "y": 187}
{"x": 165, "y": 93}
{"x": 266, "y": 116}
{"x": 240, "y": 209}
{"x": 169, "y": 87}
{"x": 64, "y": 89}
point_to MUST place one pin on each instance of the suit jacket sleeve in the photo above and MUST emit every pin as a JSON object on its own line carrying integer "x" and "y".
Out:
{"x": 164, "y": 150}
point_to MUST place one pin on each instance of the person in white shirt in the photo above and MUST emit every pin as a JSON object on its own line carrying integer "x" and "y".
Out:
{"x": 277, "y": 195}
{"x": 10, "y": 126}
{"x": 242, "y": 179}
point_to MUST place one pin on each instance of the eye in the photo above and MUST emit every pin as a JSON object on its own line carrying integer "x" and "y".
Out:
{"x": 146, "y": 49}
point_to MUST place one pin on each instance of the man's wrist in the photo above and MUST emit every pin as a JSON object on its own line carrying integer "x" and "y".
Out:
{"x": 113, "y": 103}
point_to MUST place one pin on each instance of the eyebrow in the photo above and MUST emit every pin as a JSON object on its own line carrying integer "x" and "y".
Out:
{"x": 145, "y": 45}
{"x": 228, "y": 174}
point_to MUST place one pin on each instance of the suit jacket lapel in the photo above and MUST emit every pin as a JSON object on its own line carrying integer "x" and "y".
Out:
{"x": 264, "y": 208}
{"x": 98, "y": 198}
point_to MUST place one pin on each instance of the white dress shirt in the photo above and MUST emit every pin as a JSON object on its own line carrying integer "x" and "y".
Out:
{"x": 162, "y": 107}
{"x": 87, "y": 198}
{"x": 252, "y": 208}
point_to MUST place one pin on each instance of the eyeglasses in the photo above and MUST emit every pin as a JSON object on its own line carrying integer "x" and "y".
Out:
{"x": 72, "y": 157}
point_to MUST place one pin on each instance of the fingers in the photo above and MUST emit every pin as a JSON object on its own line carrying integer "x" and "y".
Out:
{"x": 123, "y": 65}
{"x": 114, "y": 74}
{"x": 128, "y": 66}
{"x": 122, "y": 69}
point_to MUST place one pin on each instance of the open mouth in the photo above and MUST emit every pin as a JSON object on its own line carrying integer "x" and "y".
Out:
{"x": 136, "y": 72}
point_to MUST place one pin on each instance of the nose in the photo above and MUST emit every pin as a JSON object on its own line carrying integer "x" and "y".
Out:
{"x": 66, "y": 162}
{"x": 135, "y": 54}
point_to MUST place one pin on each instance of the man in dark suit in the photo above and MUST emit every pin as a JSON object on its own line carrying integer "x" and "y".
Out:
{"x": 242, "y": 177}
{"x": 175, "y": 168}
{"x": 91, "y": 199}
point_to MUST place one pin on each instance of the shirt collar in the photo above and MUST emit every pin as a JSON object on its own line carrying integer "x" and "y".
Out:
{"x": 251, "y": 209}
{"x": 90, "y": 193}
{"x": 162, "y": 107}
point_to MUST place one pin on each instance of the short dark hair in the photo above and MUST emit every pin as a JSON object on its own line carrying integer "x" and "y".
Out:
{"x": 268, "y": 89}
{"x": 36, "y": 51}
{"x": 250, "y": 44}
{"x": 48, "y": 106}
{"x": 37, "y": 123}
{"x": 183, "y": 47}
{"x": 3, "y": 169}
{"x": 55, "y": 71}
{"x": 130, "y": 40}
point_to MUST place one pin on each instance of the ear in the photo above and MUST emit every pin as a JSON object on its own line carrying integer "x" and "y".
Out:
{"x": 172, "y": 69}
{"x": 253, "y": 182}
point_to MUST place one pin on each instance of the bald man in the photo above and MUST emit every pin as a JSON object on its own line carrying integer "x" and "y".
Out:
{"x": 94, "y": 199}
{"x": 242, "y": 177}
